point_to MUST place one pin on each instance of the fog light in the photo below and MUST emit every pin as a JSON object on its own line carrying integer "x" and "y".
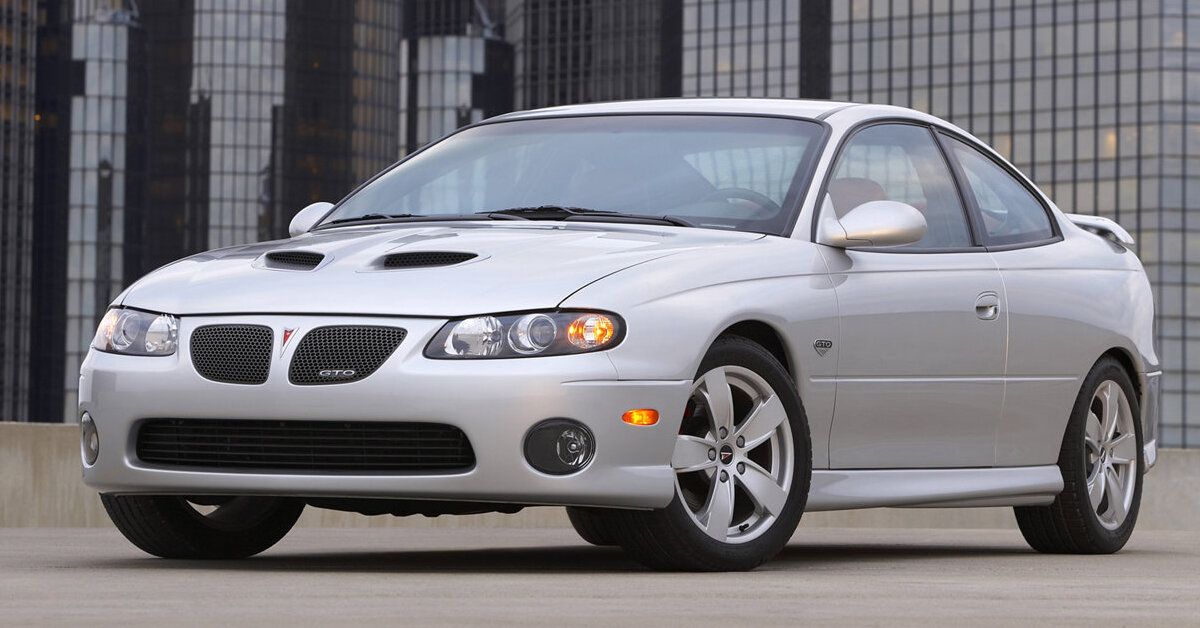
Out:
{"x": 89, "y": 439}
{"x": 559, "y": 446}
{"x": 641, "y": 416}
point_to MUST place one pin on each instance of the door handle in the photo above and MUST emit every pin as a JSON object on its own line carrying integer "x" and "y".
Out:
{"x": 987, "y": 306}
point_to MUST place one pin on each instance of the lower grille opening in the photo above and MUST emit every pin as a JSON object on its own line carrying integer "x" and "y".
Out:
{"x": 317, "y": 446}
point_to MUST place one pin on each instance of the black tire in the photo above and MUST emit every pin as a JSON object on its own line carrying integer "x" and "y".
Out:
{"x": 668, "y": 539}
{"x": 592, "y": 525}
{"x": 1071, "y": 525}
{"x": 170, "y": 527}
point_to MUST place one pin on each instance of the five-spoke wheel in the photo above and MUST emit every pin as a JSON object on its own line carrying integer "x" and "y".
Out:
{"x": 733, "y": 458}
{"x": 742, "y": 461}
{"x": 1101, "y": 465}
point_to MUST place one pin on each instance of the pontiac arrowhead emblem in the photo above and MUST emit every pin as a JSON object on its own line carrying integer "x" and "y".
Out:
{"x": 822, "y": 346}
{"x": 288, "y": 332}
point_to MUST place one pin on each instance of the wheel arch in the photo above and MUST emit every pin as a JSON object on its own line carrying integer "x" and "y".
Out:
{"x": 764, "y": 335}
{"x": 1125, "y": 359}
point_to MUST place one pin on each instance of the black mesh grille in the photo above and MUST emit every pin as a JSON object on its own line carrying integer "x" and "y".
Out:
{"x": 419, "y": 259}
{"x": 361, "y": 446}
{"x": 295, "y": 260}
{"x": 234, "y": 354}
{"x": 340, "y": 354}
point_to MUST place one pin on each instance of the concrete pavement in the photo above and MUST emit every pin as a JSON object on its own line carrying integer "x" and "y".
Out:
{"x": 548, "y": 577}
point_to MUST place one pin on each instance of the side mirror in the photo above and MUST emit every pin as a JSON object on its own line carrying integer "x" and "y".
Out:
{"x": 306, "y": 218}
{"x": 875, "y": 223}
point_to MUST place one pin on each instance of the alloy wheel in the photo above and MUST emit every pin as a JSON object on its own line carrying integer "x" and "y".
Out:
{"x": 1110, "y": 444}
{"x": 734, "y": 457}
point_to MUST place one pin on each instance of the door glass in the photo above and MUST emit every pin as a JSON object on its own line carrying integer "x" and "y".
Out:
{"x": 1010, "y": 213}
{"x": 901, "y": 162}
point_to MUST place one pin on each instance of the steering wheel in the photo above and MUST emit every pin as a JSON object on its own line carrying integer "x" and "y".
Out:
{"x": 762, "y": 200}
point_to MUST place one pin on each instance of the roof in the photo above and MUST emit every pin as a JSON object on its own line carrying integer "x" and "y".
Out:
{"x": 755, "y": 106}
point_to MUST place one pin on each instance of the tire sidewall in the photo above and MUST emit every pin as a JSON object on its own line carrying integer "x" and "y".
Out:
{"x": 1104, "y": 371}
{"x": 746, "y": 354}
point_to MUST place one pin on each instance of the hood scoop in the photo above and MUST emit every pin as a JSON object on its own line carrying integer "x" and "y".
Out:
{"x": 293, "y": 260}
{"x": 425, "y": 259}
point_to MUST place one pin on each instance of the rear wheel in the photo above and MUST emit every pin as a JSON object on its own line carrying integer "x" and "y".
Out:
{"x": 202, "y": 527}
{"x": 742, "y": 465}
{"x": 1101, "y": 464}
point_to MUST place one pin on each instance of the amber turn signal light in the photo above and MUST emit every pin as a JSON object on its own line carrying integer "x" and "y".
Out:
{"x": 641, "y": 416}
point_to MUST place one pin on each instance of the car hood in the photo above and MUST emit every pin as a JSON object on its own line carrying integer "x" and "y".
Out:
{"x": 517, "y": 267}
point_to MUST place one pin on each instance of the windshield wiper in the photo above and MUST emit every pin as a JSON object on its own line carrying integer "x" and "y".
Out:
{"x": 376, "y": 218}
{"x": 559, "y": 212}
{"x": 366, "y": 217}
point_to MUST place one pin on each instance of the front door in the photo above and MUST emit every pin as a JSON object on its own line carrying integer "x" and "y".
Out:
{"x": 921, "y": 341}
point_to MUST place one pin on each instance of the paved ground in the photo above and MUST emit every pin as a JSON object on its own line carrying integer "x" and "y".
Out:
{"x": 547, "y": 577}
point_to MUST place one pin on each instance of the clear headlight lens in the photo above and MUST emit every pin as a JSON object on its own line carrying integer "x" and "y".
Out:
{"x": 132, "y": 332}
{"x": 526, "y": 335}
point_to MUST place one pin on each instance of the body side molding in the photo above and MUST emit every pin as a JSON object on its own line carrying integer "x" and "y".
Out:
{"x": 834, "y": 489}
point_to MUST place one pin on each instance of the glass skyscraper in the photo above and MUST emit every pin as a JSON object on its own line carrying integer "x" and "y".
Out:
{"x": 1097, "y": 100}
{"x": 17, "y": 36}
{"x": 456, "y": 68}
{"x": 759, "y": 48}
{"x": 571, "y": 51}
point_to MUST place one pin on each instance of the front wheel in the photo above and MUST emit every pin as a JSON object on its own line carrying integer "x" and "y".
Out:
{"x": 743, "y": 463}
{"x": 1101, "y": 464}
{"x": 202, "y": 527}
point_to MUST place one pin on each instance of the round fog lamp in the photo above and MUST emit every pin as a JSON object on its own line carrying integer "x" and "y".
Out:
{"x": 559, "y": 446}
{"x": 89, "y": 439}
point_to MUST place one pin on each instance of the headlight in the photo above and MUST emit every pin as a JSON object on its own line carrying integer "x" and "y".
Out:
{"x": 526, "y": 335}
{"x": 137, "y": 333}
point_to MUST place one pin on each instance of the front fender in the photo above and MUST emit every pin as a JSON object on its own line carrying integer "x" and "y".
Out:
{"x": 675, "y": 307}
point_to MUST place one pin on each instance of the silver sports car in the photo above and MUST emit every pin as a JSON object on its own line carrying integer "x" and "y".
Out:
{"x": 687, "y": 321}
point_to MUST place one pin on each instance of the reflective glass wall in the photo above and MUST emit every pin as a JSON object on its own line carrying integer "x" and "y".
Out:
{"x": 571, "y": 51}
{"x": 758, "y": 48}
{"x": 456, "y": 68}
{"x": 1097, "y": 100}
{"x": 18, "y": 27}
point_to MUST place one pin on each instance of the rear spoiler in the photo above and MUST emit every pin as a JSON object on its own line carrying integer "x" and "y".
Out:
{"x": 1102, "y": 227}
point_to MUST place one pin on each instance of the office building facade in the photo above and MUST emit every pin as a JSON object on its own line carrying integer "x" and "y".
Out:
{"x": 1097, "y": 100}
{"x": 456, "y": 68}
{"x": 755, "y": 48}
{"x": 18, "y": 28}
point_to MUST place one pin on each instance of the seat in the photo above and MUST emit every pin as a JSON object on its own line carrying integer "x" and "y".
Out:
{"x": 850, "y": 192}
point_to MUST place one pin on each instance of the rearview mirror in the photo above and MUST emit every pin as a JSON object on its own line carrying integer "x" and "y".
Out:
{"x": 306, "y": 218}
{"x": 875, "y": 223}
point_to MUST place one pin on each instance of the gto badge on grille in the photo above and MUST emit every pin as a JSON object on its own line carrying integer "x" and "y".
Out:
{"x": 288, "y": 332}
{"x": 336, "y": 373}
{"x": 822, "y": 346}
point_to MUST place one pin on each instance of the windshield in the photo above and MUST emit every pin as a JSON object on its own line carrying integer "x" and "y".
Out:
{"x": 732, "y": 172}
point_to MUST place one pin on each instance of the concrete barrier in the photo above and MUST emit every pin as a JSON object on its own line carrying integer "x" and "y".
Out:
{"x": 40, "y": 486}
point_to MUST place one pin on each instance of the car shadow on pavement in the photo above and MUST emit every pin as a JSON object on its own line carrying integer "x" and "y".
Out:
{"x": 564, "y": 559}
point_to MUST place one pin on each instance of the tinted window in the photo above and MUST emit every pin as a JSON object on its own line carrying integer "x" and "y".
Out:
{"x": 1010, "y": 213}
{"x": 901, "y": 162}
{"x": 730, "y": 172}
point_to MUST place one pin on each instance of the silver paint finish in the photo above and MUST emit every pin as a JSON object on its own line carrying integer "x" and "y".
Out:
{"x": 849, "y": 489}
{"x": 877, "y": 223}
{"x": 308, "y": 217}
{"x": 949, "y": 380}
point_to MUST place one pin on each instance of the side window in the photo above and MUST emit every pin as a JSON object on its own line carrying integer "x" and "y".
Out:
{"x": 1009, "y": 212}
{"x": 901, "y": 162}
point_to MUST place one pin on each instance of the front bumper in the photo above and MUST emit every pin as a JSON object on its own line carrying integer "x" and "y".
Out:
{"x": 493, "y": 401}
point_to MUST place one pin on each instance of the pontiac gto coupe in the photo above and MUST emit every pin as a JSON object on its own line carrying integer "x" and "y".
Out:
{"x": 687, "y": 321}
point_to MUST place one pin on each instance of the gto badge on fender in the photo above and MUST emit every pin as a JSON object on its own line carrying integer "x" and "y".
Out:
{"x": 822, "y": 346}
